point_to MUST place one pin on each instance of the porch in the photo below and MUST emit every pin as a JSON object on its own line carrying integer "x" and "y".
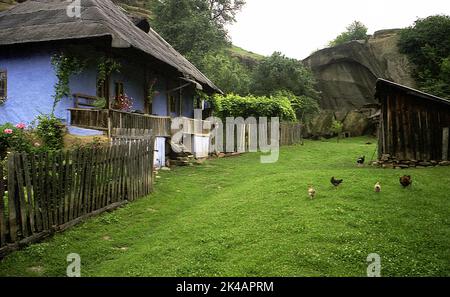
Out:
{"x": 108, "y": 119}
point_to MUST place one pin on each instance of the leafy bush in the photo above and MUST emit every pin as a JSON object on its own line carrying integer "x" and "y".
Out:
{"x": 100, "y": 103}
{"x": 15, "y": 138}
{"x": 355, "y": 31}
{"x": 428, "y": 48}
{"x": 237, "y": 106}
{"x": 51, "y": 131}
{"x": 336, "y": 128}
{"x": 304, "y": 107}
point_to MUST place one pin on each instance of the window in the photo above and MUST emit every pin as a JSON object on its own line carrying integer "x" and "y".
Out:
{"x": 3, "y": 84}
{"x": 118, "y": 86}
{"x": 102, "y": 87}
{"x": 174, "y": 103}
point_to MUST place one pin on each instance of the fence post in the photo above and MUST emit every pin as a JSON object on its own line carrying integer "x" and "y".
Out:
{"x": 445, "y": 137}
{"x": 12, "y": 199}
{"x": 2, "y": 210}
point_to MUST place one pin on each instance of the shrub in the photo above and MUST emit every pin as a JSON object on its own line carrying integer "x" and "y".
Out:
{"x": 15, "y": 138}
{"x": 336, "y": 128}
{"x": 237, "y": 106}
{"x": 100, "y": 103}
{"x": 355, "y": 31}
{"x": 304, "y": 106}
{"x": 51, "y": 131}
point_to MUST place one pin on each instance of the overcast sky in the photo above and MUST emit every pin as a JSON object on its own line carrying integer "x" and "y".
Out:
{"x": 299, "y": 27}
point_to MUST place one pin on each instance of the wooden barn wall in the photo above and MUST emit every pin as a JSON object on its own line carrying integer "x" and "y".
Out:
{"x": 412, "y": 127}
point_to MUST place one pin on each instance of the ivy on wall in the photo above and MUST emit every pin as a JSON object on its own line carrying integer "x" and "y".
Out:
{"x": 66, "y": 65}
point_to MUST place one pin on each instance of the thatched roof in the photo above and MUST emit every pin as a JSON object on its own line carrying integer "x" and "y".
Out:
{"x": 47, "y": 20}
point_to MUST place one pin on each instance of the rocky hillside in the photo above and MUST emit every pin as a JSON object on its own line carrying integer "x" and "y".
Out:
{"x": 347, "y": 73}
{"x": 346, "y": 76}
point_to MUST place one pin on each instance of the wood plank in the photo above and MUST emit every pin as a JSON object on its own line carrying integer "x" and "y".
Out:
{"x": 55, "y": 186}
{"x": 30, "y": 197}
{"x": 61, "y": 187}
{"x": 2, "y": 210}
{"x": 37, "y": 193}
{"x": 73, "y": 187}
{"x": 67, "y": 184}
{"x": 12, "y": 198}
{"x": 445, "y": 143}
{"x": 44, "y": 193}
{"x": 88, "y": 185}
{"x": 23, "y": 205}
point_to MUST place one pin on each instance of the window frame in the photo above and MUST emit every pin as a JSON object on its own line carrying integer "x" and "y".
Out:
{"x": 117, "y": 86}
{"x": 5, "y": 82}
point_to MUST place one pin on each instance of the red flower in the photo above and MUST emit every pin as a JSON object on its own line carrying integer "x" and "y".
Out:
{"x": 8, "y": 131}
{"x": 21, "y": 126}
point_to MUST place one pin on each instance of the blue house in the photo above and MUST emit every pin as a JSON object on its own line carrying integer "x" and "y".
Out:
{"x": 159, "y": 81}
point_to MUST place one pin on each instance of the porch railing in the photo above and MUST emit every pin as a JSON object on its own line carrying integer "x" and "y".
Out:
{"x": 104, "y": 119}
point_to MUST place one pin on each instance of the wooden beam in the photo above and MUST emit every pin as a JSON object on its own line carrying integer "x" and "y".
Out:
{"x": 445, "y": 136}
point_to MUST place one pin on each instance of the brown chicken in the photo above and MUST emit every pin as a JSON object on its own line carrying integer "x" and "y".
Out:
{"x": 406, "y": 181}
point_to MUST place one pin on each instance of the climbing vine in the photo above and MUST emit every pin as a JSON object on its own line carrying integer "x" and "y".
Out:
{"x": 65, "y": 66}
{"x": 151, "y": 91}
{"x": 106, "y": 66}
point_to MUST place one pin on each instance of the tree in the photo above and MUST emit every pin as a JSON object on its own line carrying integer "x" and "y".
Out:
{"x": 227, "y": 73}
{"x": 427, "y": 45}
{"x": 279, "y": 73}
{"x": 355, "y": 31}
{"x": 304, "y": 107}
{"x": 224, "y": 11}
{"x": 195, "y": 27}
{"x": 336, "y": 128}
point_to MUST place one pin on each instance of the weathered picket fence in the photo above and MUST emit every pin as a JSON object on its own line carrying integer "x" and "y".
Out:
{"x": 245, "y": 135}
{"x": 290, "y": 133}
{"x": 45, "y": 193}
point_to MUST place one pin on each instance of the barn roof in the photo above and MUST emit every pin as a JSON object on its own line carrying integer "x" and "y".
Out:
{"x": 47, "y": 20}
{"x": 383, "y": 84}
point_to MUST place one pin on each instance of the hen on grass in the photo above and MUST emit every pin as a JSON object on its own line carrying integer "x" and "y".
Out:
{"x": 311, "y": 192}
{"x": 336, "y": 182}
{"x": 406, "y": 181}
{"x": 361, "y": 160}
{"x": 377, "y": 187}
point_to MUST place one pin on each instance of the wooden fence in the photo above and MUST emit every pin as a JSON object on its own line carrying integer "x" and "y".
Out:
{"x": 45, "y": 193}
{"x": 290, "y": 133}
{"x": 244, "y": 139}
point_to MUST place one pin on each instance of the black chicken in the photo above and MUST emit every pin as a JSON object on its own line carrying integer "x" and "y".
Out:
{"x": 336, "y": 182}
{"x": 361, "y": 160}
{"x": 406, "y": 181}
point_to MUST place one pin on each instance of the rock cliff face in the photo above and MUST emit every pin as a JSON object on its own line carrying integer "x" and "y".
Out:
{"x": 346, "y": 76}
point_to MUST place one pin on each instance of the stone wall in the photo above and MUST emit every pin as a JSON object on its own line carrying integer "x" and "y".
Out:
{"x": 389, "y": 162}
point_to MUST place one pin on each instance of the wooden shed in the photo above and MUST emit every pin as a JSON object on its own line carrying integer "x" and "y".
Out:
{"x": 413, "y": 125}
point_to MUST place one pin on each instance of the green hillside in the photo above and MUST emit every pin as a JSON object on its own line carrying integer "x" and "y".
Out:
{"x": 5, "y": 4}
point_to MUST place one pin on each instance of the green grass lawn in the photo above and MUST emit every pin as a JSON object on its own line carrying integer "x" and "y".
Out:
{"x": 237, "y": 217}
